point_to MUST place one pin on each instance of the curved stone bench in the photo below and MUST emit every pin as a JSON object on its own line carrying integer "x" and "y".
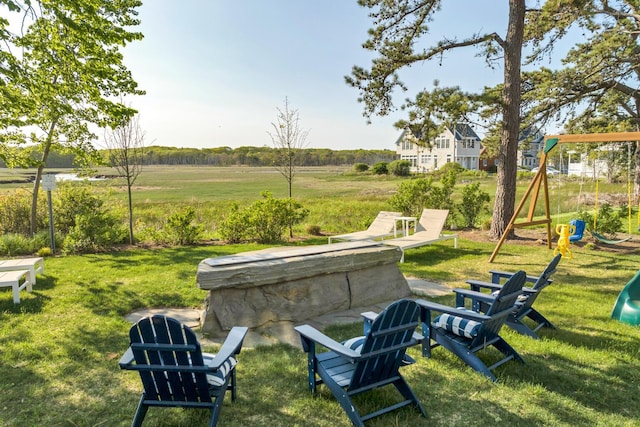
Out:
{"x": 294, "y": 284}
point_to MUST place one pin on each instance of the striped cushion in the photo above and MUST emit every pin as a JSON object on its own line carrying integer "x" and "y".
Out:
{"x": 521, "y": 298}
{"x": 356, "y": 344}
{"x": 458, "y": 325}
{"x": 218, "y": 378}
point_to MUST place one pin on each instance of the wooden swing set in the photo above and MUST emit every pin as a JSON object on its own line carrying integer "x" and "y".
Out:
{"x": 540, "y": 180}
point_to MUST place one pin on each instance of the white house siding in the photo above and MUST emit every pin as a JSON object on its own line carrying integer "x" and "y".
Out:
{"x": 444, "y": 150}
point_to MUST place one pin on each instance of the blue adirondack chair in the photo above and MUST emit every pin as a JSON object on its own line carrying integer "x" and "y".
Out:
{"x": 524, "y": 304}
{"x": 347, "y": 372}
{"x": 175, "y": 372}
{"x": 466, "y": 332}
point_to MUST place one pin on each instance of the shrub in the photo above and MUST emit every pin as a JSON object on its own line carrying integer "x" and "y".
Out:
{"x": 179, "y": 228}
{"x": 12, "y": 244}
{"x": 360, "y": 167}
{"x": 608, "y": 221}
{"x": 380, "y": 168}
{"x": 314, "y": 230}
{"x": 15, "y": 213}
{"x": 94, "y": 231}
{"x": 269, "y": 218}
{"x": 411, "y": 196}
{"x": 447, "y": 168}
{"x": 264, "y": 221}
{"x": 400, "y": 167}
{"x": 440, "y": 196}
{"x": 233, "y": 227}
{"x": 474, "y": 201}
{"x": 73, "y": 200}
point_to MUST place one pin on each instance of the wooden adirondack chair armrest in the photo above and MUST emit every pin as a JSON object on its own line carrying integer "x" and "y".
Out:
{"x": 312, "y": 334}
{"x": 474, "y": 295}
{"x": 428, "y": 306}
{"x": 369, "y": 317}
{"x": 476, "y": 285}
{"x": 230, "y": 347}
{"x": 126, "y": 361}
{"x": 529, "y": 291}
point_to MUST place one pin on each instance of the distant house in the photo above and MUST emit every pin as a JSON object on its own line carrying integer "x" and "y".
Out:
{"x": 487, "y": 163}
{"x": 530, "y": 144}
{"x": 460, "y": 145}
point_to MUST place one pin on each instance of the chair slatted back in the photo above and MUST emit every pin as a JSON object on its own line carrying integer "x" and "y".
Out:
{"x": 500, "y": 308}
{"x": 169, "y": 360}
{"x": 543, "y": 279}
{"x": 386, "y": 343}
{"x": 542, "y": 282}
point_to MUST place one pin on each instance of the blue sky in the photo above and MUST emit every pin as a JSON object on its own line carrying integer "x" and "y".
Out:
{"x": 215, "y": 72}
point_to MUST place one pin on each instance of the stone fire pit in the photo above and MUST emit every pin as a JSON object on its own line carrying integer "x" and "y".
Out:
{"x": 261, "y": 288}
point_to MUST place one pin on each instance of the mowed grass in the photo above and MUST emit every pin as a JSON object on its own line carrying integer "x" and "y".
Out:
{"x": 61, "y": 345}
{"x": 59, "y": 348}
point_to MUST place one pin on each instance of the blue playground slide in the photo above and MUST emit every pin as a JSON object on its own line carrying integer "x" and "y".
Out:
{"x": 627, "y": 307}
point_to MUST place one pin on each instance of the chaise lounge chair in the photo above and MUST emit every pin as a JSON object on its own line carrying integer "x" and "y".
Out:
{"x": 428, "y": 231}
{"x": 524, "y": 304}
{"x": 20, "y": 273}
{"x": 381, "y": 227}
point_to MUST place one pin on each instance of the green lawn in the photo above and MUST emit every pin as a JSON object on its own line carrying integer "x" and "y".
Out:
{"x": 59, "y": 348}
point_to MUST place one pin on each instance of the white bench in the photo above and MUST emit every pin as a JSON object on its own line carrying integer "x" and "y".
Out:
{"x": 33, "y": 265}
{"x": 13, "y": 279}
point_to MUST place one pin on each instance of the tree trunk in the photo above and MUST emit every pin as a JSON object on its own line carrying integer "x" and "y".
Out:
{"x": 508, "y": 150}
{"x": 36, "y": 183}
{"x": 129, "y": 184}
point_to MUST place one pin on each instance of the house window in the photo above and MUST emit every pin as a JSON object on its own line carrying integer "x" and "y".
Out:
{"x": 468, "y": 143}
{"x": 442, "y": 142}
{"x": 407, "y": 145}
{"x": 412, "y": 158}
{"x": 448, "y": 158}
{"x": 485, "y": 163}
{"x": 435, "y": 161}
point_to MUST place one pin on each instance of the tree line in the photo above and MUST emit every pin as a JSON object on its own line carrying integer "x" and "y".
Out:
{"x": 227, "y": 156}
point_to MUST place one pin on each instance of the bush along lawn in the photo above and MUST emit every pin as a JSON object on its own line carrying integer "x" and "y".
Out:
{"x": 59, "y": 348}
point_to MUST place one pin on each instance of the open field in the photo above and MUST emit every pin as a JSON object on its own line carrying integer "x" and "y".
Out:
{"x": 339, "y": 200}
{"x": 59, "y": 348}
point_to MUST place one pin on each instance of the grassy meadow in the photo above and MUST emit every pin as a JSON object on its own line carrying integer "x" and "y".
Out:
{"x": 60, "y": 346}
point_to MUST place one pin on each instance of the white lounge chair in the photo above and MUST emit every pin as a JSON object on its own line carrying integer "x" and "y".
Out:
{"x": 20, "y": 273}
{"x": 381, "y": 227}
{"x": 428, "y": 231}
{"x": 33, "y": 265}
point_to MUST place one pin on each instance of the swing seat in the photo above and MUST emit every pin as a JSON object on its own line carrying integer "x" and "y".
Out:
{"x": 602, "y": 239}
{"x": 579, "y": 227}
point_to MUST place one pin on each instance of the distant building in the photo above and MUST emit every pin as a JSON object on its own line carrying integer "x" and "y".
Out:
{"x": 530, "y": 145}
{"x": 461, "y": 145}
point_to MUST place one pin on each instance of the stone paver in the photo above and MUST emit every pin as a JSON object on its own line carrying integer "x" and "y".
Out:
{"x": 283, "y": 331}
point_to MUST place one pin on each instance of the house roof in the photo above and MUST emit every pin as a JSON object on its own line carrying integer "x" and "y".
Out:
{"x": 461, "y": 131}
{"x": 530, "y": 136}
{"x": 465, "y": 131}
